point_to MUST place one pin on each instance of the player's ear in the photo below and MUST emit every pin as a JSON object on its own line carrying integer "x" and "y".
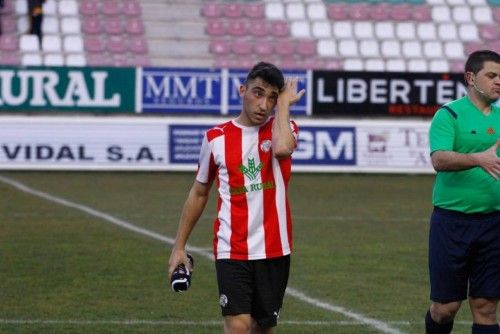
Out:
{"x": 469, "y": 78}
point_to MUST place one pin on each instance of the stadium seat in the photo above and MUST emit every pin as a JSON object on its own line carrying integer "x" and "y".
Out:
{"x": 9, "y": 25}
{"x": 369, "y": 48}
{"x": 384, "y": 30}
{"x": 21, "y": 8}
{"x": 426, "y": 31}
{"x": 421, "y": 13}
{"x": 138, "y": 45}
{"x": 363, "y": 30}
{"x": 375, "y": 65}
{"x": 327, "y": 48}
{"x": 98, "y": 59}
{"x": 94, "y": 44}
{"x": 295, "y": 11}
{"x": 489, "y": 32}
{"x": 461, "y": 14}
{"x": 51, "y": 43}
{"x": 232, "y": 10}
{"x": 285, "y": 47}
{"x": 496, "y": 13}
{"x": 91, "y": 25}
{"x": 50, "y": 25}
{"x": 131, "y": 8}
{"x": 113, "y": 26}
{"x": 411, "y": 49}
{"x": 68, "y": 8}
{"x": 337, "y": 11}
{"x": 134, "y": 26}
{"x": 316, "y": 11}
{"x": 348, "y": 48}
{"x": 343, "y": 29}
{"x": 75, "y": 60}
{"x": 211, "y": 10}
{"x": 32, "y": 59}
{"x": 379, "y": 12}
{"x": 457, "y": 66}
{"x": 220, "y": 47}
{"x": 264, "y": 48}
{"x": 405, "y": 30}
{"x": 22, "y": 25}
{"x": 53, "y": 59}
{"x": 395, "y": 65}
{"x": 482, "y": 15}
{"x": 472, "y": 46}
{"x": 70, "y": 25}
{"x": 241, "y": 47}
{"x": 433, "y": 49}
{"x": 216, "y": 27}
{"x": 11, "y": 58}
{"x": 50, "y": 8}
{"x": 29, "y": 43}
{"x": 321, "y": 29}
{"x": 447, "y": 32}
{"x": 280, "y": 29}
{"x": 300, "y": 29}
{"x": 8, "y": 43}
{"x": 7, "y": 9}
{"x": 468, "y": 32}
{"x": 441, "y": 14}
{"x": 454, "y": 50}
{"x": 275, "y": 11}
{"x": 259, "y": 28}
{"x": 116, "y": 44}
{"x": 439, "y": 66}
{"x": 89, "y": 7}
{"x": 237, "y": 28}
{"x": 306, "y": 48}
{"x": 417, "y": 65}
{"x": 400, "y": 12}
{"x": 359, "y": 11}
{"x": 110, "y": 8}
{"x": 73, "y": 44}
{"x": 391, "y": 48}
{"x": 255, "y": 10}
{"x": 139, "y": 60}
{"x": 353, "y": 64}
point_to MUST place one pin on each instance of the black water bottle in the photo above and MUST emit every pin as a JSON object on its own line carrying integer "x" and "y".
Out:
{"x": 181, "y": 277}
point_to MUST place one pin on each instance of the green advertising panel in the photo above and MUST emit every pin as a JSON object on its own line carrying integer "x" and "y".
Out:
{"x": 85, "y": 89}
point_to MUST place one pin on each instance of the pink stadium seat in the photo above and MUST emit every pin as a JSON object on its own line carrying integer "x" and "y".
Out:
{"x": 331, "y": 64}
{"x": 241, "y": 47}
{"x": 306, "y": 48}
{"x": 138, "y": 45}
{"x": 211, "y": 9}
{"x": 232, "y": 10}
{"x": 359, "y": 11}
{"x": 400, "y": 12}
{"x": 473, "y": 46}
{"x": 285, "y": 47}
{"x": 9, "y": 43}
{"x": 258, "y": 28}
{"x": 216, "y": 27}
{"x": 116, "y": 44}
{"x": 292, "y": 63}
{"x": 237, "y": 28}
{"x": 134, "y": 26}
{"x": 255, "y": 10}
{"x": 279, "y": 29}
{"x": 379, "y": 12}
{"x": 91, "y": 25}
{"x": 98, "y": 59}
{"x": 93, "y": 44}
{"x": 10, "y": 58}
{"x": 264, "y": 48}
{"x": 119, "y": 60}
{"x": 131, "y": 8}
{"x": 9, "y": 24}
{"x": 89, "y": 7}
{"x": 337, "y": 11}
{"x": 457, "y": 66}
{"x": 421, "y": 13}
{"x": 220, "y": 47}
{"x": 495, "y": 46}
{"x": 496, "y": 13}
{"x": 113, "y": 26}
{"x": 110, "y": 7}
{"x": 8, "y": 8}
{"x": 490, "y": 32}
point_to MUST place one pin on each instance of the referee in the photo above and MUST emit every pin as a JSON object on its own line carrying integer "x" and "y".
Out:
{"x": 464, "y": 237}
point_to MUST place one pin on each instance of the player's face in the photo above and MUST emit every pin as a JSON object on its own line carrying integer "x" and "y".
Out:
{"x": 259, "y": 100}
{"x": 488, "y": 80}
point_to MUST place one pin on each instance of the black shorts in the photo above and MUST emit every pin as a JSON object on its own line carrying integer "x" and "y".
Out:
{"x": 254, "y": 287}
{"x": 464, "y": 255}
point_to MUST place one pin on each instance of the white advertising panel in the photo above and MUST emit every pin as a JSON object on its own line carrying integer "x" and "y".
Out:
{"x": 173, "y": 143}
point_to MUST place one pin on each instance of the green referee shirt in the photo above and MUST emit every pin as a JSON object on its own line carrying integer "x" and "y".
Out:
{"x": 465, "y": 129}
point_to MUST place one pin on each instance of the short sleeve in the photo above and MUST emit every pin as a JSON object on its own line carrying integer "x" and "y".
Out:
{"x": 206, "y": 164}
{"x": 442, "y": 131}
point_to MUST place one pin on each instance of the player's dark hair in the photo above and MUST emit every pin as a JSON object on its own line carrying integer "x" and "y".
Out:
{"x": 267, "y": 72}
{"x": 476, "y": 60}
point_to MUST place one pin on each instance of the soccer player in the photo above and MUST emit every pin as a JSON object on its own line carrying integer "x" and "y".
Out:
{"x": 250, "y": 159}
{"x": 464, "y": 237}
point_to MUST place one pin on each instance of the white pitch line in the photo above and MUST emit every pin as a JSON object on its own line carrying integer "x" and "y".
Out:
{"x": 380, "y": 325}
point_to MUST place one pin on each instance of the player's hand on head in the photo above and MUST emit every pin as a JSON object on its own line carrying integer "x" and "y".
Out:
{"x": 289, "y": 91}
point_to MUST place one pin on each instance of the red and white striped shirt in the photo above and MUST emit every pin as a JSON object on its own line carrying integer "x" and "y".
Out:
{"x": 253, "y": 220}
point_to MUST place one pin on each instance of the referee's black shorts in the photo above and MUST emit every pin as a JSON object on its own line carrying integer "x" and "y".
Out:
{"x": 254, "y": 287}
{"x": 464, "y": 255}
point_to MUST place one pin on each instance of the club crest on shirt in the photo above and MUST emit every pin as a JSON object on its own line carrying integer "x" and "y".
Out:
{"x": 265, "y": 146}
